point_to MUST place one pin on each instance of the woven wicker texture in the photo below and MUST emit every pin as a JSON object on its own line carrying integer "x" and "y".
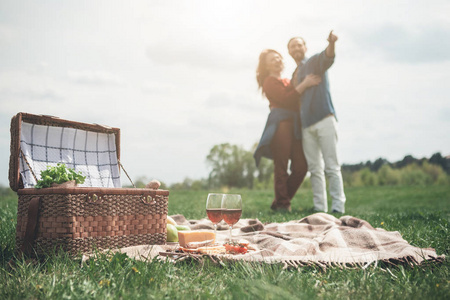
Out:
{"x": 77, "y": 224}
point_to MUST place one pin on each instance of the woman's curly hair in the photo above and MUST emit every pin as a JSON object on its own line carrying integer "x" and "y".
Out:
{"x": 261, "y": 71}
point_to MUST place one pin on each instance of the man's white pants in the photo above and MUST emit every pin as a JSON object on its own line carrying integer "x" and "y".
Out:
{"x": 319, "y": 146}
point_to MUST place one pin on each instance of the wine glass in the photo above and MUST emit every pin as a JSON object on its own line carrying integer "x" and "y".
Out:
{"x": 231, "y": 209}
{"x": 214, "y": 208}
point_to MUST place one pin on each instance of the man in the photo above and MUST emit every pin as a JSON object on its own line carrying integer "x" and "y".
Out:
{"x": 319, "y": 126}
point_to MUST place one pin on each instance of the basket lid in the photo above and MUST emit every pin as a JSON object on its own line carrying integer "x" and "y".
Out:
{"x": 39, "y": 140}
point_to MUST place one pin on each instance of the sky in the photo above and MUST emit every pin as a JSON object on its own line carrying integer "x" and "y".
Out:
{"x": 178, "y": 77}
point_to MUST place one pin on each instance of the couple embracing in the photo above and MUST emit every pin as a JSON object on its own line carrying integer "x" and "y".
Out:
{"x": 301, "y": 126}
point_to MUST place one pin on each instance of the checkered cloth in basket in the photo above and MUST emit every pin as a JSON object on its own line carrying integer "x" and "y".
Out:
{"x": 92, "y": 153}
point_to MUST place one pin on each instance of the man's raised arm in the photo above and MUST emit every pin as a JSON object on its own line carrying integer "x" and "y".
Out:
{"x": 332, "y": 38}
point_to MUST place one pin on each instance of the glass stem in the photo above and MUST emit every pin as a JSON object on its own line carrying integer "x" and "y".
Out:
{"x": 231, "y": 228}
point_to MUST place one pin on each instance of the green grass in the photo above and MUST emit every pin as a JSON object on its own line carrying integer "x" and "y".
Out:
{"x": 420, "y": 214}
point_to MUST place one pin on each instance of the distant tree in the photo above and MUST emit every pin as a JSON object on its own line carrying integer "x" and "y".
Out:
{"x": 438, "y": 159}
{"x": 368, "y": 178}
{"x": 407, "y": 160}
{"x": 140, "y": 182}
{"x": 388, "y": 176}
{"x": 231, "y": 165}
{"x": 190, "y": 184}
{"x": 249, "y": 168}
{"x": 378, "y": 164}
{"x": 353, "y": 168}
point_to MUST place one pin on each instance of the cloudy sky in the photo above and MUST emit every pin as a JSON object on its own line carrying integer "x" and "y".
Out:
{"x": 178, "y": 77}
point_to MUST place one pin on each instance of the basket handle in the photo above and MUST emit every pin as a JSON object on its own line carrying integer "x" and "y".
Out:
{"x": 120, "y": 164}
{"x": 32, "y": 221}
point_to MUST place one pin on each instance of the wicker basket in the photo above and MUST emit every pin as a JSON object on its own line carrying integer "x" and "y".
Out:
{"x": 81, "y": 219}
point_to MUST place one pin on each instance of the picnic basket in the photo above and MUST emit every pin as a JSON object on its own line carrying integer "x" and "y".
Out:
{"x": 98, "y": 214}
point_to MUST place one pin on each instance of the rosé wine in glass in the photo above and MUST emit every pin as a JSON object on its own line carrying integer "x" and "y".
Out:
{"x": 231, "y": 210}
{"x": 214, "y": 208}
{"x": 215, "y": 215}
{"x": 231, "y": 216}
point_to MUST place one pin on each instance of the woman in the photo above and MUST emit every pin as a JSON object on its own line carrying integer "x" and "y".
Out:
{"x": 281, "y": 139}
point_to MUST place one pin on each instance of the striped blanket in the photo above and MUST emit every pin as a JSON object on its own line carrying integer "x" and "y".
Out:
{"x": 319, "y": 239}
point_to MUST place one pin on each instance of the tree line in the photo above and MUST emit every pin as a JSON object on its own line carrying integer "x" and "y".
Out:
{"x": 435, "y": 159}
{"x": 408, "y": 171}
{"x": 232, "y": 166}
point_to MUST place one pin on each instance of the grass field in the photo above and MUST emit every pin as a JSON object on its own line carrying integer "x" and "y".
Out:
{"x": 420, "y": 214}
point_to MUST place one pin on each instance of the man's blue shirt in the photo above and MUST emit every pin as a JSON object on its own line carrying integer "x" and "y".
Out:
{"x": 316, "y": 101}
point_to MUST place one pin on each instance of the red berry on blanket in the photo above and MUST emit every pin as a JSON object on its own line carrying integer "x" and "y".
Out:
{"x": 236, "y": 248}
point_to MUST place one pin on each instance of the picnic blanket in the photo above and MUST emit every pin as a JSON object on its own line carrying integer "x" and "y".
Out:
{"x": 319, "y": 239}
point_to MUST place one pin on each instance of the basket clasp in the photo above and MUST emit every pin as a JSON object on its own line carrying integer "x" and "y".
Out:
{"x": 93, "y": 197}
{"x": 148, "y": 199}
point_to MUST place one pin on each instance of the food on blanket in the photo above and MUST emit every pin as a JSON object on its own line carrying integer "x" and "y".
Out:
{"x": 182, "y": 227}
{"x": 189, "y": 250}
{"x": 207, "y": 247}
{"x": 169, "y": 220}
{"x": 244, "y": 243}
{"x": 236, "y": 247}
{"x": 203, "y": 247}
{"x": 58, "y": 174}
{"x": 200, "y": 244}
{"x": 172, "y": 233}
{"x": 154, "y": 184}
{"x": 186, "y": 237}
{"x": 212, "y": 250}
